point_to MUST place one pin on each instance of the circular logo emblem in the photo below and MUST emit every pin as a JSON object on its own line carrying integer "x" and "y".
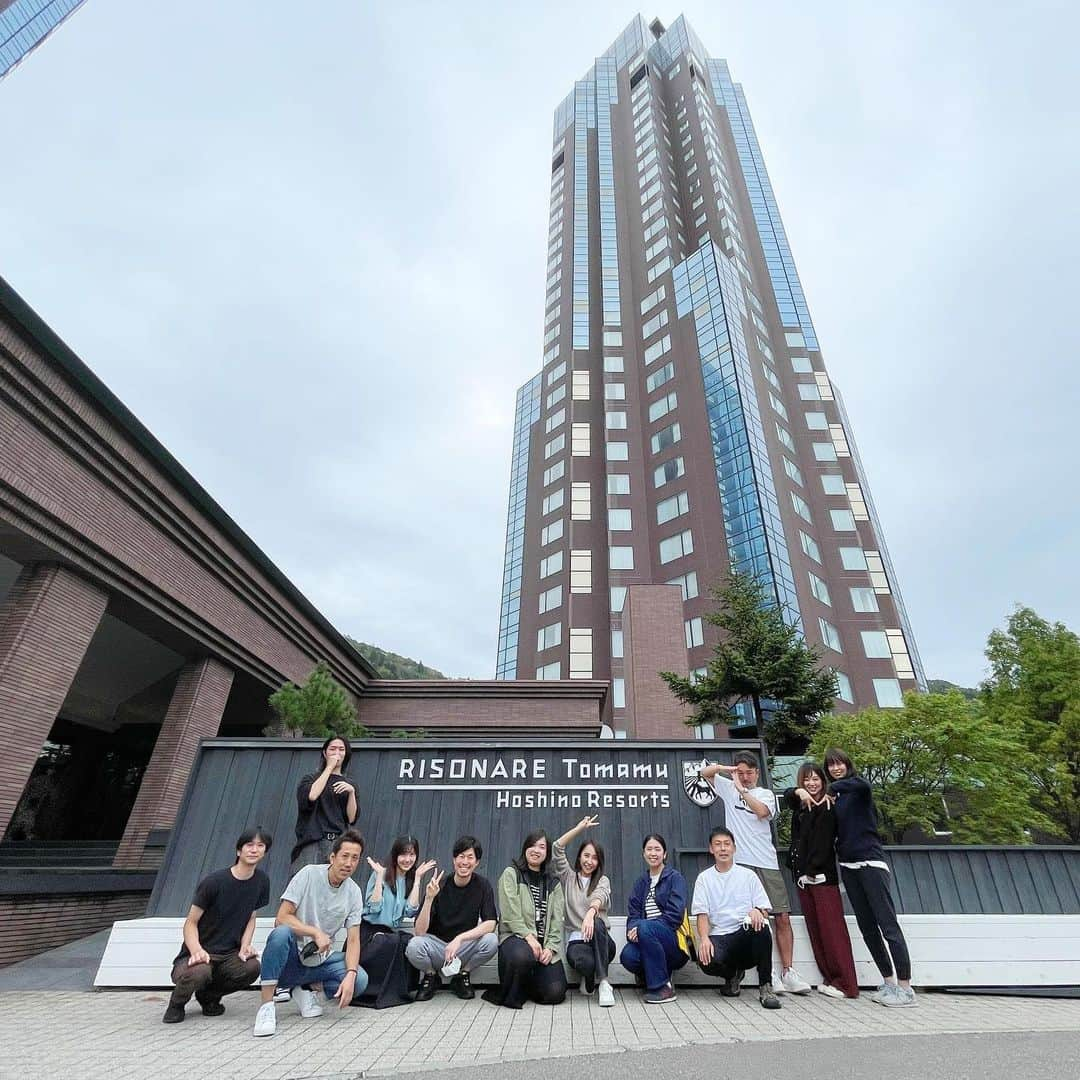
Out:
{"x": 699, "y": 792}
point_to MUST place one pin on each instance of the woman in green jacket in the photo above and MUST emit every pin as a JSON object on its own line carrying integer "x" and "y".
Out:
{"x": 532, "y": 908}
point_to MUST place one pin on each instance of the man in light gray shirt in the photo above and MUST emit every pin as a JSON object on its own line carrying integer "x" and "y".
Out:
{"x": 321, "y": 903}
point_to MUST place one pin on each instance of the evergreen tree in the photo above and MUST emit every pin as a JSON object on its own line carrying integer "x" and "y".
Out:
{"x": 759, "y": 657}
{"x": 320, "y": 708}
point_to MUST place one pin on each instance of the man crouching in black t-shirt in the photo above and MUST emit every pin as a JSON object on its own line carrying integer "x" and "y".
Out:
{"x": 216, "y": 957}
{"x": 455, "y": 927}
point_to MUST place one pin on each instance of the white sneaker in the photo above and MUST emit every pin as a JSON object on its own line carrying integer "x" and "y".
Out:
{"x": 265, "y": 1020}
{"x": 830, "y": 991}
{"x": 790, "y": 983}
{"x": 307, "y": 1001}
{"x": 901, "y": 997}
{"x": 606, "y": 997}
{"x": 883, "y": 993}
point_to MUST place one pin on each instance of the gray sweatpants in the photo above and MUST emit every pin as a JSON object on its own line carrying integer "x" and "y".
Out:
{"x": 428, "y": 953}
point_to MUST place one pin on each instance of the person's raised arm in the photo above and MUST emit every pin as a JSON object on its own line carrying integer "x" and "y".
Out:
{"x": 710, "y": 772}
{"x": 423, "y": 916}
{"x": 759, "y": 807}
{"x": 558, "y": 851}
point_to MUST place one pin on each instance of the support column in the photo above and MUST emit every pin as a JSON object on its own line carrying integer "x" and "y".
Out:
{"x": 654, "y": 640}
{"x": 45, "y": 629}
{"x": 195, "y": 712}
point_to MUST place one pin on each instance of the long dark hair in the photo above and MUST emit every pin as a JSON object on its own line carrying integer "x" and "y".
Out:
{"x": 521, "y": 863}
{"x": 344, "y": 761}
{"x": 598, "y": 873}
{"x": 835, "y": 754}
{"x": 399, "y": 847}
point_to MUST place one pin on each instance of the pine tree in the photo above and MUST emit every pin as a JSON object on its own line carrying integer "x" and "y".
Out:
{"x": 759, "y": 657}
{"x": 320, "y": 708}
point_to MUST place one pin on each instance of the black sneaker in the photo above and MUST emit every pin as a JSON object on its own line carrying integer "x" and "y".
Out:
{"x": 767, "y": 998}
{"x": 461, "y": 986}
{"x": 661, "y": 996}
{"x": 174, "y": 1014}
{"x": 212, "y": 1008}
{"x": 589, "y": 982}
{"x": 428, "y": 985}
{"x": 732, "y": 986}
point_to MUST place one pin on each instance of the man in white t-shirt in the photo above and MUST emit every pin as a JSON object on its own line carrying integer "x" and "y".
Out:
{"x": 732, "y": 910}
{"x": 748, "y": 813}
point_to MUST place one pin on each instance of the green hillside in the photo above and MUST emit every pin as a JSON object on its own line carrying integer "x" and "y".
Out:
{"x": 391, "y": 666}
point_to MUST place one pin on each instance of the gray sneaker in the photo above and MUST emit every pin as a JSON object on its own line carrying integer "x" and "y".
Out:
{"x": 767, "y": 997}
{"x": 902, "y": 997}
{"x": 883, "y": 993}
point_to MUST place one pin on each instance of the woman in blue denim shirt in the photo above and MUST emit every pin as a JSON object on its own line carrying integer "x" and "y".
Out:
{"x": 654, "y": 913}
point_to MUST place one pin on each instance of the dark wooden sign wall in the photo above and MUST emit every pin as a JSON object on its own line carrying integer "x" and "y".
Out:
{"x": 439, "y": 790}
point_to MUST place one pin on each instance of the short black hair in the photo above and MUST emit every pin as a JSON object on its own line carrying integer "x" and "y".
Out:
{"x": 349, "y": 836}
{"x": 721, "y": 831}
{"x": 534, "y": 838}
{"x": 463, "y": 843}
{"x": 258, "y": 833}
{"x": 746, "y": 757}
{"x": 658, "y": 838}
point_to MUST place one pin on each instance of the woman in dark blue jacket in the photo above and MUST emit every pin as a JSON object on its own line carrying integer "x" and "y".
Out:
{"x": 655, "y": 913}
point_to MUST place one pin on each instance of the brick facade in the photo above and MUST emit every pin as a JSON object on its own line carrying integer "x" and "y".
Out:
{"x": 194, "y": 713}
{"x": 45, "y": 628}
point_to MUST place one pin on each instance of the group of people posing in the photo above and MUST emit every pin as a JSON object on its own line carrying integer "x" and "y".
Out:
{"x": 547, "y": 914}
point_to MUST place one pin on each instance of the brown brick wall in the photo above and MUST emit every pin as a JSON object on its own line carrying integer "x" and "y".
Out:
{"x": 653, "y": 641}
{"x": 32, "y": 924}
{"x": 45, "y": 628}
{"x": 193, "y": 714}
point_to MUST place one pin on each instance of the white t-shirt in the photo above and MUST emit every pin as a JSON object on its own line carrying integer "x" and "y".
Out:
{"x": 753, "y": 834}
{"x": 727, "y": 898}
{"x": 318, "y": 903}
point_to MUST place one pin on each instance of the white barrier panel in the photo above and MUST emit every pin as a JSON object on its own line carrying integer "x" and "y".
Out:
{"x": 946, "y": 950}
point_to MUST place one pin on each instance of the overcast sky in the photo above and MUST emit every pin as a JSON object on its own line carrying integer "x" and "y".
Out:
{"x": 306, "y": 246}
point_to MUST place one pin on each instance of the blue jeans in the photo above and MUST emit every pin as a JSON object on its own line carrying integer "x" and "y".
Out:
{"x": 655, "y": 954}
{"x": 281, "y": 965}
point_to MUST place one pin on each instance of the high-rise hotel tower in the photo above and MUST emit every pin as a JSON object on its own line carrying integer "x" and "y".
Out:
{"x": 682, "y": 421}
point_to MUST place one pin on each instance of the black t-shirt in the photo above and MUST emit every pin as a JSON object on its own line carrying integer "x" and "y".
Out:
{"x": 460, "y": 908}
{"x": 227, "y": 904}
{"x": 327, "y": 814}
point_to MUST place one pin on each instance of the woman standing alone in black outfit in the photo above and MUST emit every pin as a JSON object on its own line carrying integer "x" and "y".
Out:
{"x": 325, "y": 806}
{"x": 865, "y": 874}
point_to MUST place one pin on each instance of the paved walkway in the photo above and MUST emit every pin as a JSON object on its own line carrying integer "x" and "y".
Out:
{"x": 120, "y": 1035}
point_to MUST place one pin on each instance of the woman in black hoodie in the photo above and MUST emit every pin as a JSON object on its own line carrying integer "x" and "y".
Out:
{"x": 865, "y": 874}
{"x": 813, "y": 867}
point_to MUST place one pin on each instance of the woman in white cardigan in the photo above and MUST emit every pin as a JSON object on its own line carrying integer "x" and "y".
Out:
{"x": 589, "y": 948}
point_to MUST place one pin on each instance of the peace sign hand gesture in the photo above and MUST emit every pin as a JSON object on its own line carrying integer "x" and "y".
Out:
{"x": 432, "y": 889}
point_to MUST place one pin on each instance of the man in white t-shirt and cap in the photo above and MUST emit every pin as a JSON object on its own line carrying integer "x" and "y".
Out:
{"x": 732, "y": 911}
{"x": 748, "y": 813}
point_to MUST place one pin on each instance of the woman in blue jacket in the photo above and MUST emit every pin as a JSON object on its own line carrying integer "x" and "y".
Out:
{"x": 655, "y": 913}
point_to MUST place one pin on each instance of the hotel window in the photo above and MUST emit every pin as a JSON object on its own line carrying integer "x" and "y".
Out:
{"x": 612, "y": 339}
{"x": 876, "y": 645}
{"x": 551, "y": 599}
{"x": 551, "y": 565}
{"x": 801, "y": 365}
{"x": 553, "y": 501}
{"x": 615, "y": 420}
{"x": 554, "y": 420}
{"x": 888, "y": 694}
{"x": 653, "y": 299}
{"x": 670, "y": 470}
{"x": 654, "y": 324}
{"x": 618, "y": 694}
{"x": 778, "y": 406}
{"x": 660, "y": 376}
{"x": 556, "y": 396}
{"x": 795, "y": 341}
{"x": 618, "y": 451}
{"x": 793, "y": 471}
{"x": 616, "y": 644}
{"x": 852, "y": 558}
{"x": 864, "y": 600}
{"x": 580, "y": 384}
{"x": 842, "y": 520}
{"x": 554, "y": 473}
{"x": 809, "y": 392}
{"x": 618, "y": 484}
{"x": 550, "y": 671}
{"x": 579, "y": 440}
{"x": 694, "y": 633}
{"x": 547, "y": 637}
{"x": 675, "y": 547}
{"x": 580, "y": 654}
{"x": 662, "y": 406}
{"x": 580, "y": 501}
{"x": 613, "y": 364}
{"x": 556, "y": 373}
{"x": 824, "y": 451}
{"x": 843, "y": 688}
{"x": 819, "y": 589}
{"x": 581, "y": 571}
{"x": 656, "y": 350}
{"x": 668, "y": 436}
{"x": 618, "y": 598}
{"x": 800, "y": 506}
{"x": 833, "y": 484}
{"x": 829, "y": 635}
{"x": 687, "y": 583}
{"x": 621, "y": 558}
{"x": 615, "y": 391}
{"x": 672, "y": 508}
{"x": 785, "y": 437}
{"x": 553, "y": 447}
{"x": 816, "y": 421}
{"x": 619, "y": 520}
{"x": 550, "y": 533}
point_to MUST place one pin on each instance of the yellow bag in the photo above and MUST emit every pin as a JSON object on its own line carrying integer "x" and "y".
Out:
{"x": 685, "y": 937}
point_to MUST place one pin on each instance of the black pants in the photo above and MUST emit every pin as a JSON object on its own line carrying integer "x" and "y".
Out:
{"x": 591, "y": 958}
{"x": 523, "y": 978}
{"x": 225, "y": 974}
{"x": 735, "y": 953}
{"x": 872, "y": 903}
